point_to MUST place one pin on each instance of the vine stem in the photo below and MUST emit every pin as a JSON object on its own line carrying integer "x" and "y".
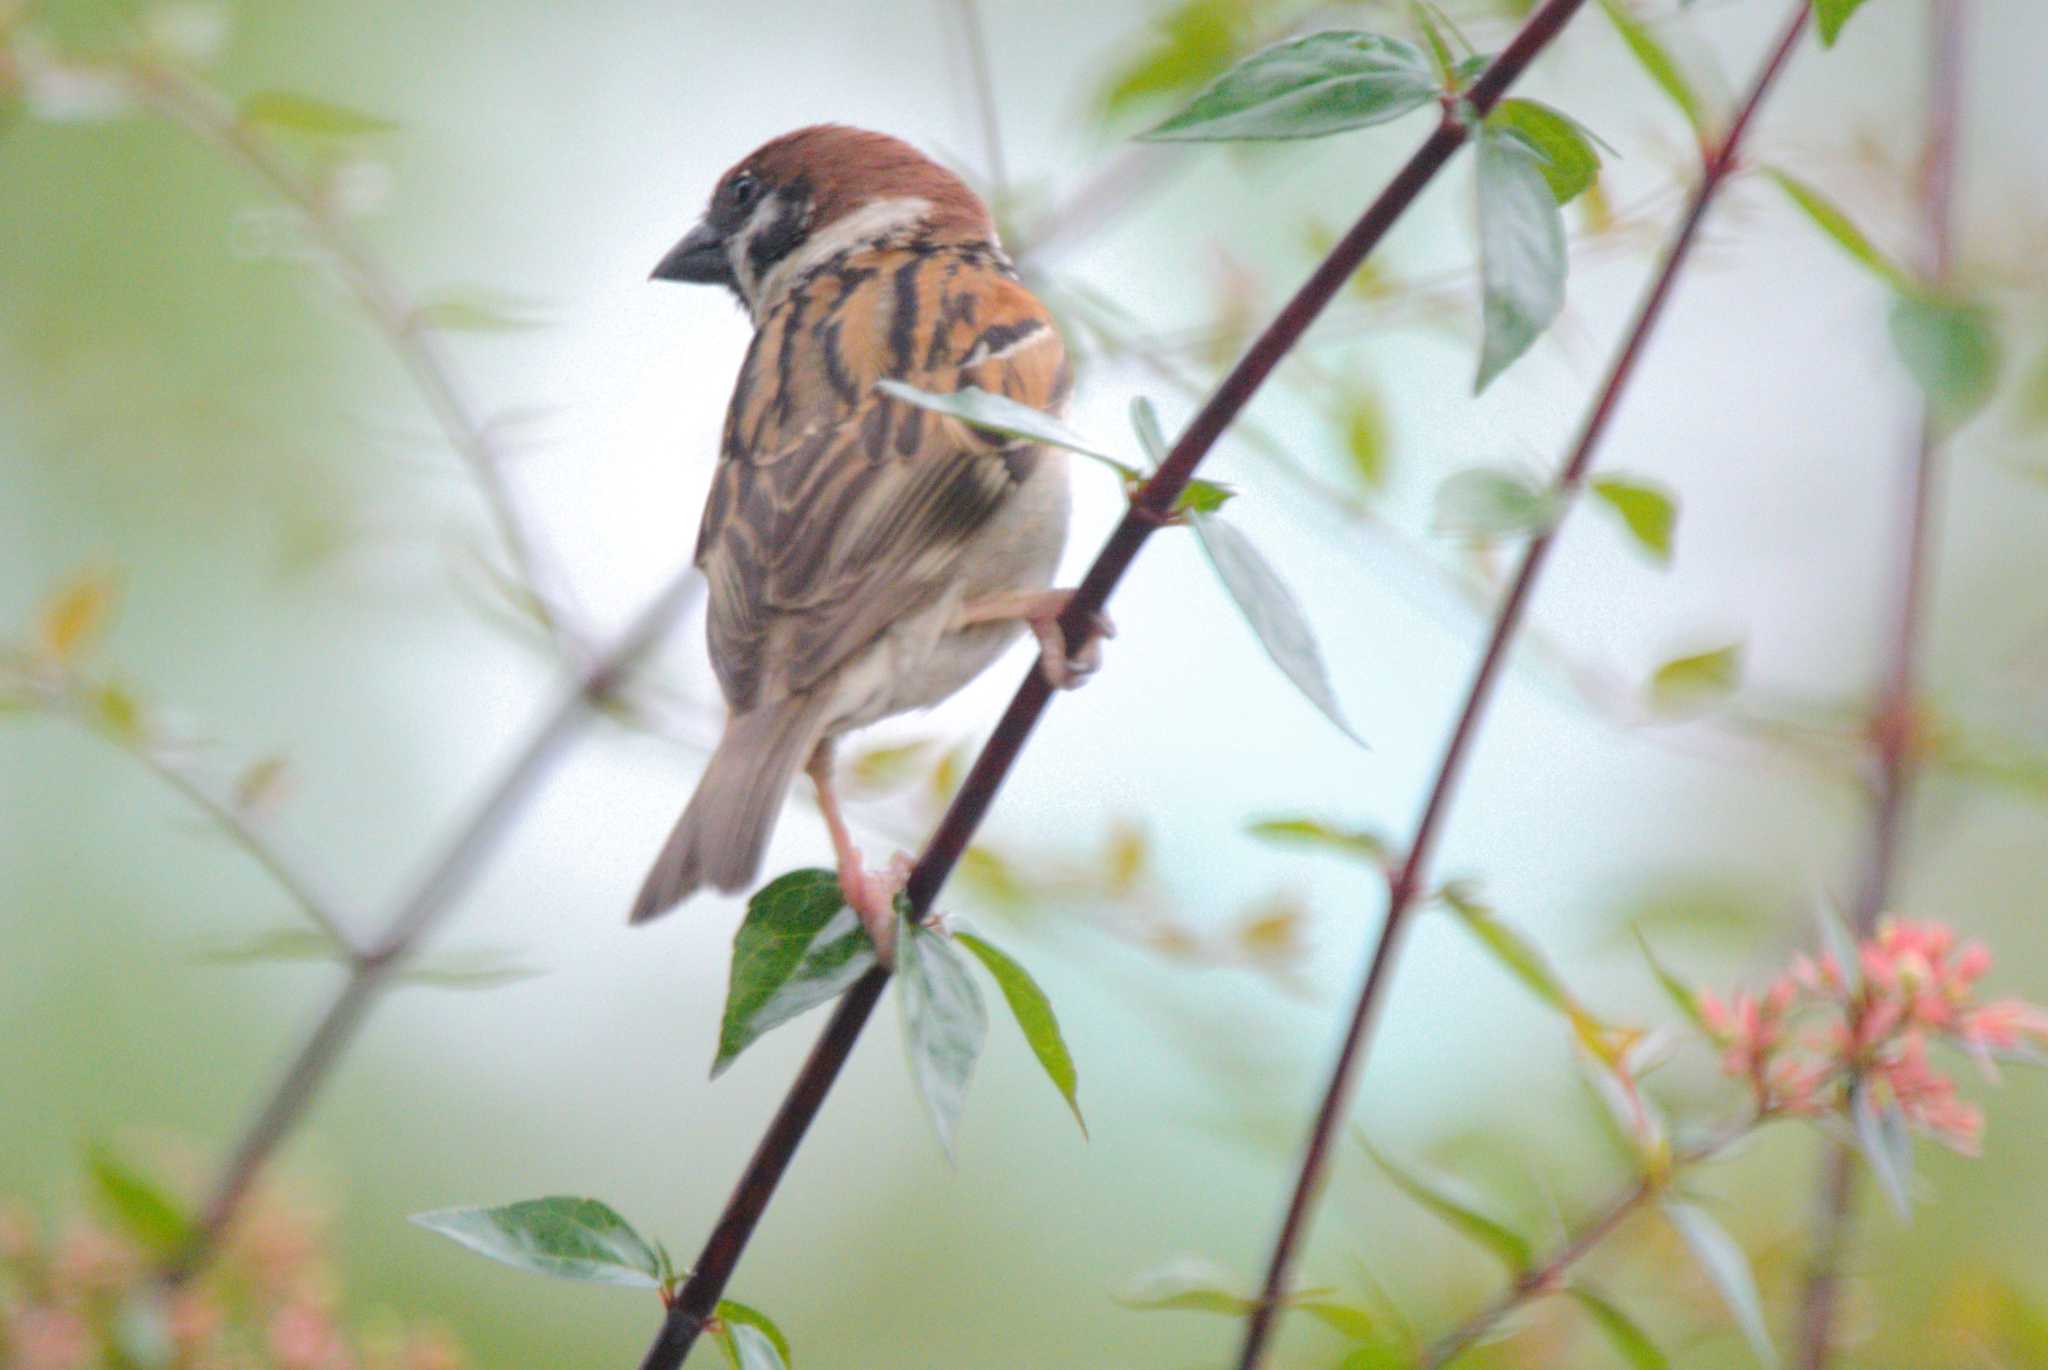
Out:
{"x": 1407, "y": 883}
{"x": 1151, "y": 509}
{"x": 418, "y": 912}
{"x": 1895, "y": 728}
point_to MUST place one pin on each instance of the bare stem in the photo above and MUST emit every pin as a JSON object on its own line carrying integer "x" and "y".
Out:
{"x": 420, "y": 910}
{"x": 1151, "y": 509}
{"x": 1895, "y": 726}
{"x": 390, "y": 311}
{"x": 1408, "y": 883}
{"x": 1548, "y": 1277}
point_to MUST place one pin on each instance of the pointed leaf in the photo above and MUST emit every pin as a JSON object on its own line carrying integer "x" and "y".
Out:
{"x": 306, "y": 114}
{"x": 294, "y": 943}
{"x": 1272, "y": 611}
{"x": 144, "y": 1209}
{"x": 1033, "y": 1012}
{"x": 735, "y": 1314}
{"x": 1355, "y": 842}
{"x": 1656, "y": 59}
{"x": 1151, "y": 437}
{"x": 1368, "y": 437}
{"x": 1838, "y": 942}
{"x": 1308, "y": 87}
{"x": 1837, "y": 225}
{"x": 1629, "y": 1341}
{"x": 1647, "y": 510}
{"x": 1200, "y": 496}
{"x": 1188, "y": 1285}
{"x": 1727, "y": 1269}
{"x": 1486, "y": 504}
{"x": 1441, "y": 59}
{"x": 1522, "y": 259}
{"x": 560, "y": 1236}
{"x": 1510, "y": 948}
{"x": 1570, "y": 164}
{"x": 1464, "y": 1214}
{"x": 74, "y": 617}
{"x": 1951, "y": 350}
{"x": 799, "y": 946}
{"x": 1830, "y": 15}
{"x": 747, "y": 1347}
{"x": 473, "y": 309}
{"x": 944, "y": 1024}
{"x": 1887, "y": 1146}
{"x": 1001, "y": 416}
{"x": 1682, "y": 994}
{"x": 1688, "y": 684}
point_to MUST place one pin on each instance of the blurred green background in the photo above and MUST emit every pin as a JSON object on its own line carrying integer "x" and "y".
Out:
{"x": 189, "y": 400}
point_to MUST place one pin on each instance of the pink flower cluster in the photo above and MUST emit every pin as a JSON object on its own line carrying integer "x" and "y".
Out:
{"x": 1818, "y": 1032}
{"x": 74, "y": 1300}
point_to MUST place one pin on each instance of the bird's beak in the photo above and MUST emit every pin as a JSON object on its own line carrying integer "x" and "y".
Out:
{"x": 699, "y": 259}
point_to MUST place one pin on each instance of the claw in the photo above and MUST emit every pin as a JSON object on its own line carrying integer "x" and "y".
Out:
{"x": 872, "y": 897}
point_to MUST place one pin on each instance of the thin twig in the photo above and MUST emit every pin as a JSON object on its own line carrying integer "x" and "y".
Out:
{"x": 1151, "y": 509}
{"x": 1548, "y": 1277}
{"x": 1407, "y": 883}
{"x": 1896, "y": 726}
{"x": 420, "y": 909}
{"x": 390, "y": 311}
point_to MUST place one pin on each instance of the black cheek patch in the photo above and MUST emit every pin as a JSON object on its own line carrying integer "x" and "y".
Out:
{"x": 779, "y": 237}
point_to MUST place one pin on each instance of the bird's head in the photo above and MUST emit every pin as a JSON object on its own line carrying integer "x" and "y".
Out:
{"x": 809, "y": 196}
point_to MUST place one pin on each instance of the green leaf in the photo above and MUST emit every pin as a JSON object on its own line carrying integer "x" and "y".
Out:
{"x": 1828, "y": 216}
{"x": 1486, "y": 504}
{"x": 1886, "y": 1144}
{"x": 567, "y": 1238}
{"x": 476, "y": 968}
{"x": 1307, "y": 87}
{"x": 1000, "y": 415}
{"x": 293, "y": 113}
{"x": 1656, "y": 59}
{"x": 1629, "y": 1341}
{"x": 473, "y": 309}
{"x": 144, "y": 1209}
{"x": 1688, "y": 684}
{"x": 1273, "y": 612}
{"x": 1033, "y": 1012}
{"x": 1357, "y": 842}
{"x": 1514, "y": 951}
{"x": 747, "y": 1347}
{"x": 1570, "y": 164}
{"x": 1368, "y": 437}
{"x": 1460, "y": 1212}
{"x": 1151, "y": 437}
{"x": 293, "y": 943}
{"x": 1830, "y": 15}
{"x": 736, "y": 1315}
{"x": 1521, "y": 252}
{"x": 1951, "y": 350}
{"x": 1440, "y": 57}
{"x": 1648, "y": 511}
{"x": 799, "y": 946}
{"x": 1203, "y": 497}
{"x": 1727, "y": 1269}
{"x": 1196, "y": 40}
{"x": 944, "y": 1023}
{"x": 1682, "y": 994}
{"x": 1191, "y": 1285}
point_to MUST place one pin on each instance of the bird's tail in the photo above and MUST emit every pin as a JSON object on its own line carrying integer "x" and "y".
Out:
{"x": 720, "y": 837}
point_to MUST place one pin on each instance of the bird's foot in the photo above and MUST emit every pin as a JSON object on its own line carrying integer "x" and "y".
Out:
{"x": 872, "y": 897}
{"x": 1042, "y": 609}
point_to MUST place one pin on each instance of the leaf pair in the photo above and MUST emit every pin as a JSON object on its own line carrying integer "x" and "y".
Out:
{"x": 568, "y": 1238}
{"x": 800, "y": 946}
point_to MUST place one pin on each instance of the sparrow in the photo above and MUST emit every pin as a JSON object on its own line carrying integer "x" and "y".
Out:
{"x": 863, "y": 556}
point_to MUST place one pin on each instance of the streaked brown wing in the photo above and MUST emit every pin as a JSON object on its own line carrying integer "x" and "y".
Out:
{"x": 837, "y": 511}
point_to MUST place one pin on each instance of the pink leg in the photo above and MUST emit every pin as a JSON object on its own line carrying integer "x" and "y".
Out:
{"x": 1041, "y": 609}
{"x": 870, "y": 894}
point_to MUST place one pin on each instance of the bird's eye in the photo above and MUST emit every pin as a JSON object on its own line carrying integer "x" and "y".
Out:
{"x": 744, "y": 190}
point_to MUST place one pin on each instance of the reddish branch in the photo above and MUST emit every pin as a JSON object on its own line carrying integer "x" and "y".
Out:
{"x": 1896, "y": 723}
{"x": 1408, "y": 883}
{"x": 1151, "y": 509}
